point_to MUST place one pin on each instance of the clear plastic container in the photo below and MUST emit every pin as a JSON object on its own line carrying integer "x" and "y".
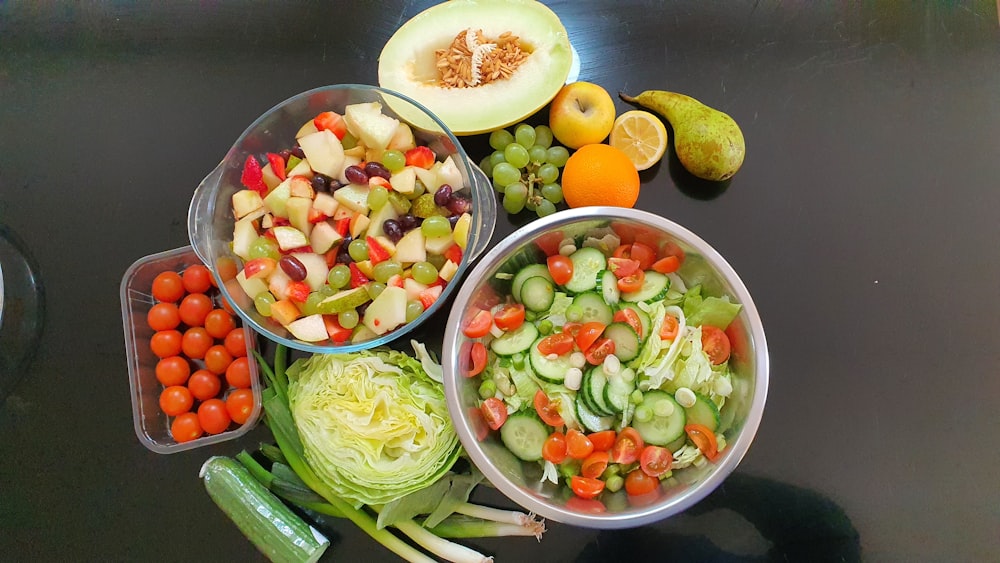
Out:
{"x": 152, "y": 426}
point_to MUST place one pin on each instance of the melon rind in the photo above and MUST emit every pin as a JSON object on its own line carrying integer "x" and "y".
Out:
{"x": 407, "y": 64}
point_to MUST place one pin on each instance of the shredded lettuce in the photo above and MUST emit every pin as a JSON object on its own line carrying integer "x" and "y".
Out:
{"x": 557, "y": 312}
{"x": 431, "y": 367}
{"x": 714, "y": 311}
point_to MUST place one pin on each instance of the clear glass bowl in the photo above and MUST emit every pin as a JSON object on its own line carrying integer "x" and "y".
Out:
{"x": 210, "y": 219}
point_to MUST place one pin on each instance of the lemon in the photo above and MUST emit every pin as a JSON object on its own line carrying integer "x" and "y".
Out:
{"x": 641, "y": 136}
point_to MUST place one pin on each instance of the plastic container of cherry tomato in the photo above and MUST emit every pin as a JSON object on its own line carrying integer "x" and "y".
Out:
{"x": 152, "y": 425}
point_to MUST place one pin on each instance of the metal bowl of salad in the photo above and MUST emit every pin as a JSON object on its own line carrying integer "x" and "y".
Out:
{"x": 333, "y": 225}
{"x": 605, "y": 367}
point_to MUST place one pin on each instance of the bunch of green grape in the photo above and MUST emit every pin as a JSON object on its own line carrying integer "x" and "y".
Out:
{"x": 525, "y": 168}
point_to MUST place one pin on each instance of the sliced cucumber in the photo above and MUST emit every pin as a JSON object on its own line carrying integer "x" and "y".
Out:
{"x": 524, "y": 274}
{"x": 587, "y": 263}
{"x": 625, "y": 339}
{"x": 590, "y": 420}
{"x": 617, "y": 392}
{"x": 703, "y": 412}
{"x": 553, "y": 371}
{"x": 654, "y": 288}
{"x": 524, "y": 435}
{"x": 594, "y": 308}
{"x": 607, "y": 284}
{"x": 538, "y": 293}
{"x": 514, "y": 341}
{"x": 644, "y": 321}
{"x": 660, "y": 429}
{"x": 594, "y": 383}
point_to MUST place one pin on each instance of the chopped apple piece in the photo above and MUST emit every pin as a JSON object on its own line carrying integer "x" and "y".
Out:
{"x": 301, "y": 187}
{"x": 271, "y": 180}
{"x": 267, "y": 221}
{"x": 404, "y": 180}
{"x": 246, "y": 202}
{"x": 383, "y": 241}
{"x": 357, "y": 151}
{"x": 285, "y": 312}
{"x": 252, "y": 287}
{"x": 354, "y": 197}
{"x": 448, "y": 270}
{"x": 402, "y": 140}
{"x": 358, "y": 224}
{"x": 411, "y": 247}
{"x": 379, "y": 217}
{"x": 366, "y": 268}
{"x": 349, "y": 160}
{"x": 344, "y": 300}
{"x": 449, "y": 174}
{"x": 367, "y": 122}
{"x": 316, "y": 269}
{"x": 276, "y": 200}
{"x": 373, "y": 155}
{"x": 325, "y": 204}
{"x": 298, "y": 214}
{"x": 362, "y": 334}
{"x": 343, "y": 212}
{"x": 428, "y": 177}
{"x": 289, "y": 238}
{"x": 277, "y": 284}
{"x": 324, "y": 152}
{"x": 309, "y": 329}
{"x": 461, "y": 232}
{"x": 387, "y": 311}
{"x": 437, "y": 245}
{"x": 300, "y": 169}
{"x": 259, "y": 268}
{"x": 323, "y": 237}
{"x": 308, "y": 128}
{"x": 244, "y": 233}
{"x": 413, "y": 288}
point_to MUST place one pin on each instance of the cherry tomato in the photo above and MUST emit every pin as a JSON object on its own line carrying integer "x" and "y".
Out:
{"x": 195, "y": 342}
{"x": 172, "y": 371}
{"x": 638, "y": 483}
{"x": 602, "y": 440}
{"x": 547, "y": 411}
{"x": 479, "y": 325}
{"x": 194, "y": 308}
{"x": 213, "y": 416}
{"x": 175, "y": 400}
{"x": 622, "y": 267}
{"x": 509, "y": 317}
{"x": 588, "y": 334}
{"x": 186, "y": 428}
{"x": 588, "y": 505}
{"x": 572, "y": 328}
{"x": 670, "y": 248}
{"x": 669, "y": 328}
{"x": 495, "y": 412}
{"x": 655, "y": 460}
{"x": 623, "y": 251}
{"x": 197, "y": 279}
{"x": 163, "y": 316}
{"x": 219, "y": 324}
{"x": 168, "y": 287}
{"x": 578, "y": 445}
{"x": 204, "y": 385}
{"x": 217, "y": 359}
{"x": 632, "y": 283}
{"x": 239, "y": 403}
{"x": 628, "y": 446}
{"x": 558, "y": 344}
{"x": 704, "y": 439}
{"x": 667, "y": 265}
{"x": 585, "y": 487}
{"x": 644, "y": 254}
{"x": 166, "y": 343}
{"x": 236, "y": 343}
{"x": 631, "y": 318}
{"x": 474, "y": 360}
{"x": 715, "y": 343}
{"x": 549, "y": 242}
{"x": 478, "y": 422}
{"x": 554, "y": 448}
{"x": 601, "y": 349}
{"x": 560, "y": 268}
{"x": 238, "y": 372}
{"x": 594, "y": 464}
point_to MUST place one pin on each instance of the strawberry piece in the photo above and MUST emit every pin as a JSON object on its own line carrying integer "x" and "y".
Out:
{"x": 277, "y": 165}
{"x": 316, "y": 216}
{"x": 343, "y": 226}
{"x": 396, "y": 280}
{"x": 331, "y": 256}
{"x": 331, "y": 121}
{"x": 454, "y": 253}
{"x": 253, "y": 176}
{"x": 379, "y": 181}
{"x": 358, "y": 279}
{"x": 420, "y": 156}
{"x": 280, "y": 222}
{"x": 376, "y": 252}
{"x": 336, "y": 332}
{"x": 308, "y": 249}
{"x": 298, "y": 291}
{"x": 430, "y": 295}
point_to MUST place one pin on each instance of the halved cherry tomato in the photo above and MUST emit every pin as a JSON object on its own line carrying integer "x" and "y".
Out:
{"x": 588, "y": 505}
{"x": 547, "y": 410}
{"x": 601, "y": 349}
{"x": 509, "y": 317}
{"x": 560, "y": 268}
{"x": 549, "y": 242}
{"x": 704, "y": 439}
{"x": 715, "y": 343}
{"x": 628, "y": 446}
{"x": 594, "y": 464}
{"x": 474, "y": 360}
{"x": 631, "y": 318}
{"x": 479, "y": 325}
{"x": 588, "y": 334}
{"x": 558, "y": 344}
{"x": 667, "y": 265}
{"x": 644, "y": 254}
{"x": 638, "y": 483}
{"x": 554, "y": 448}
{"x": 632, "y": 283}
{"x": 602, "y": 440}
{"x": 622, "y": 267}
{"x": 655, "y": 460}
{"x": 623, "y": 251}
{"x": 578, "y": 445}
{"x": 585, "y": 487}
{"x": 495, "y": 412}
{"x": 572, "y": 328}
{"x": 670, "y": 248}
{"x": 669, "y": 328}
{"x": 478, "y": 423}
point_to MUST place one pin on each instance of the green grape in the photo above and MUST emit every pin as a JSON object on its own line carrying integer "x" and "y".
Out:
{"x": 524, "y": 134}
{"x": 500, "y": 139}
{"x": 348, "y": 318}
{"x": 393, "y": 160}
{"x": 530, "y": 204}
{"x": 436, "y": 260}
{"x": 262, "y": 302}
{"x": 311, "y": 306}
{"x": 552, "y": 192}
{"x": 327, "y": 291}
{"x": 558, "y": 156}
{"x": 385, "y": 270}
{"x": 339, "y": 276}
{"x": 506, "y": 173}
{"x": 574, "y": 313}
{"x": 498, "y": 186}
{"x": 358, "y": 249}
{"x": 543, "y": 136}
{"x": 418, "y": 190}
{"x": 413, "y": 310}
{"x": 516, "y": 155}
{"x": 537, "y": 154}
{"x": 514, "y": 197}
{"x": 436, "y": 226}
{"x": 545, "y": 208}
{"x": 486, "y": 166}
{"x": 264, "y": 247}
{"x": 349, "y": 141}
{"x": 496, "y": 157}
{"x": 378, "y": 196}
{"x": 424, "y": 272}
{"x": 548, "y": 172}
{"x": 512, "y": 205}
{"x": 374, "y": 289}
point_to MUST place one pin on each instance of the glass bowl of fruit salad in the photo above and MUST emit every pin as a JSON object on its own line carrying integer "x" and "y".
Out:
{"x": 332, "y": 225}
{"x": 605, "y": 367}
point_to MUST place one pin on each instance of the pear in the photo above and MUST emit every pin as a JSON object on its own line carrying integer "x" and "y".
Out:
{"x": 708, "y": 142}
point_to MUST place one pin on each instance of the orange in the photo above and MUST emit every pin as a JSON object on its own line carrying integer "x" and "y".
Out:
{"x": 600, "y": 175}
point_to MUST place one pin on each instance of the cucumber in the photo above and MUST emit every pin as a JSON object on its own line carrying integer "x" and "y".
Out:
{"x": 272, "y": 527}
{"x": 514, "y": 341}
{"x": 524, "y": 434}
{"x": 587, "y": 263}
{"x": 594, "y": 308}
{"x": 594, "y": 382}
{"x": 607, "y": 285}
{"x": 644, "y": 321}
{"x": 625, "y": 339}
{"x": 654, "y": 288}
{"x": 553, "y": 371}
{"x": 703, "y": 412}
{"x": 660, "y": 430}
{"x": 538, "y": 293}
{"x": 618, "y": 391}
{"x": 590, "y": 420}
{"x": 524, "y": 274}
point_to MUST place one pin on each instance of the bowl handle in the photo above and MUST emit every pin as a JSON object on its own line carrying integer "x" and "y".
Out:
{"x": 201, "y": 215}
{"x": 487, "y": 213}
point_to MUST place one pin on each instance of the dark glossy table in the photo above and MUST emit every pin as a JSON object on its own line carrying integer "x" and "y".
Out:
{"x": 864, "y": 222}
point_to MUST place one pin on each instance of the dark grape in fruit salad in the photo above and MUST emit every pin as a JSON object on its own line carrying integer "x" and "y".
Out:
{"x": 351, "y": 232}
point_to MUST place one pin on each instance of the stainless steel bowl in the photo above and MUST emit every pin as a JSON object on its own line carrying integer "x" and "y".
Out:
{"x": 703, "y": 265}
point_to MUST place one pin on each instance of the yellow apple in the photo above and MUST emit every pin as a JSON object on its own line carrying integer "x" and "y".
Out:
{"x": 582, "y": 113}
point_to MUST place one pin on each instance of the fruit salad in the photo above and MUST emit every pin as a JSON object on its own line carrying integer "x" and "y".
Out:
{"x": 353, "y": 231}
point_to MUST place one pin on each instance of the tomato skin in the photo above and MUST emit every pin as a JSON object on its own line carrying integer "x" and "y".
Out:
{"x": 656, "y": 460}
{"x": 236, "y": 343}
{"x": 175, "y": 400}
{"x": 622, "y": 267}
{"x": 632, "y": 283}
{"x": 644, "y": 254}
{"x": 601, "y": 349}
{"x": 669, "y": 328}
{"x": 168, "y": 287}
{"x": 560, "y": 268}
{"x": 509, "y": 317}
{"x": 554, "y": 448}
{"x": 578, "y": 445}
{"x": 628, "y": 446}
{"x": 559, "y": 343}
{"x": 195, "y": 342}
{"x": 194, "y": 308}
{"x": 240, "y": 404}
{"x": 474, "y": 361}
{"x": 196, "y": 279}
{"x": 667, "y": 265}
{"x": 163, "y": 316}
{"x": 594, "y": 464}
{"x": 166, "y": 343}
{"x": 479, "y": 325}
{"x": 588, "y": 505}
{"x": 602, "y": 440}
{"x": 478, "y": 422}
{"x": 715, "y": 343}
{"x": 495, "y": 412}
{"x": 623, "y": 251}
{"x": 186, "y": 428}
{"x": 213, "y": 416}
{"x": 217, "y": 359}
{"x": 638, "y": 483}
{"x": 238, "y": 373}
{"x": 549, "y": 242}
{"x": 204, "y": 385}
{"x": 586, "y": 487}
{"x": 631, "y": 318}
{"x": 219, "y": 323}
{"x": 671, "y": 248}
{"x": 704, "y": 439}
{"x": 547, "y": 411}
{"x": 173, "y": 370}
{"x": 588, "y": 334}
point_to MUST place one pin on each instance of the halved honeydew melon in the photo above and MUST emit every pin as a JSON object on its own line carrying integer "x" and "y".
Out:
{"x": 408, "y": 64}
